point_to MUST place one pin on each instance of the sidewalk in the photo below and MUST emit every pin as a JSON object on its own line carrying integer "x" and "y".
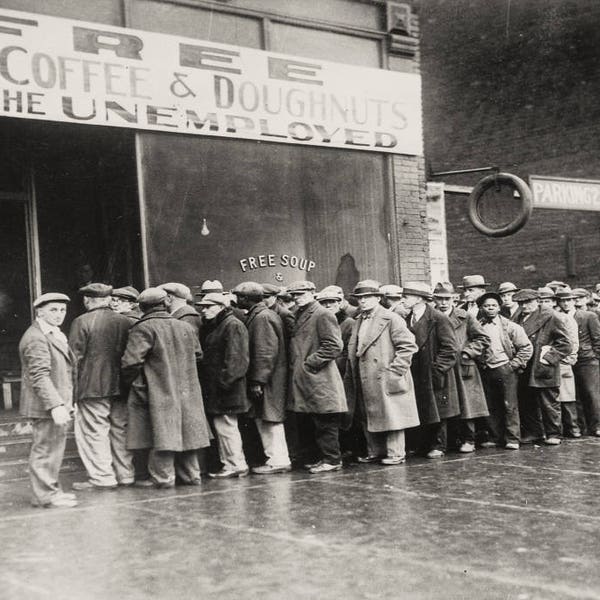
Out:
{"x": 512, "y": 525}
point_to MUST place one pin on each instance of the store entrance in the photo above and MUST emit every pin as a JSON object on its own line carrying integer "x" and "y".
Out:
{"x": 69, "y": 215}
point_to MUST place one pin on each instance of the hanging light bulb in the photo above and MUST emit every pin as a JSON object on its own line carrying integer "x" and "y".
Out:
{"x": 204, "y": 230}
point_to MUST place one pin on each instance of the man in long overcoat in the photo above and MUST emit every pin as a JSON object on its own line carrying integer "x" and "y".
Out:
{"x": 266, "y": 376}
{"x": 316, "y": 385}
{"x": 380, "y": 352}
{"x": 539, "y": 384}
{"x": 472, "y": 342}
{"x": 48, "y": 378}
{"x": 223, "y": 377}
{"x": 98, "y": 339}
{"x": 178, "y": 296}
{"x": 433, "y": 376}
{"x": 166, "y": 411}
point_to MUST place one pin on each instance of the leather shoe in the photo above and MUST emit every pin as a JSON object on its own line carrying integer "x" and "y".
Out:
{"x": 272, "y": 469}
{"x": 435, "y": 454}
{"x": 82, "y": 486}
{"x": 552, "y": 441}
{"x": 512, "y": 445}
{"x": 371, "y": 458}
{"x": 227, "y": 473}
{"x": 487, "y": 445}
{"x": 466, "y": 448}
{"x": 324, "y": 467}
{"x": 59, "y": 501}
{"x": 143, "y": 483}
{"x": 392, "y": 460}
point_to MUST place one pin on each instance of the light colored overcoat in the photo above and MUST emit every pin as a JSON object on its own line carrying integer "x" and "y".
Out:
{"x": 380, "y": 371}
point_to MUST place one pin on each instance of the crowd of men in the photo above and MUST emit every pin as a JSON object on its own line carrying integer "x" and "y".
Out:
{"x": 277, "y": 378}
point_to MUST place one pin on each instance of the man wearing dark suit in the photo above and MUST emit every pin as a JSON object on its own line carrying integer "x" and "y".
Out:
{"x": 509, "y": 308}
{"x": 539, "y": 384}
{"x": 47, "y": 370}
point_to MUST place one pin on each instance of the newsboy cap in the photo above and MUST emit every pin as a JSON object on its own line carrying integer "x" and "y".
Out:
{"x": 488, "y": 296}
{"x": 270, "y": 290}
{"x": 525, "y": 295}
{"x": 556, "y": 284}
{"x": 128, "y": 293}
{"x": 213, "y": 298}
{"x": 331, "y": 292}
{"x": 299, "y": 287}
{"x": 580, "y": 293}
{"x": 152, "y": 296}
{"x": 507, "y": 286}
{"x": 248, "y": 288}
{"x": 96, "y": 290}
{"x": 391, "y": 291}
{"x": 417, "y": 288}
{"x": 367, "y": 287}
{"x": 444, "y": 289}
{"x": 50, "y": 297}
{"x": 177, "y": 289}
{"x": 470, "y": 281}
{"x": 545, "y": 292}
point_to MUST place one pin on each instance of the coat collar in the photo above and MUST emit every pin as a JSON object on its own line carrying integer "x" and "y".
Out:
{"x": 536, "y": 321}
{"x": 184, "y": 311}
{"x": 381, "y": 317}
{"x": 54, "y": 341}
{"x": 255, "y": 310}
{"x": 303, "y": 316}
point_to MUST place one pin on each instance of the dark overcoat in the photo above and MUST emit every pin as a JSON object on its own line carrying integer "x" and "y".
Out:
{"x": 287, "y": 319}
{"x": 379, "y": 368}
{"x": 165, "y": 406}
{"x": 547, "y": 332}
{"x": 97, "y": 339}
{"x": 433, "y": 376}
{"x": 472, "y": 341}
{"x": 47, "y": 373}
{"x": 190, "y": 315}
{"x": 268, "y": 362}
{"x": 224, "y": 365}
{"x": 588, "y": 332}
{"x": 316, "y": 385}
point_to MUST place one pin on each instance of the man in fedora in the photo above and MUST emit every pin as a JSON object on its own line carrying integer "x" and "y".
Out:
{"x": 504, "y": 359}
{"x": 539, "y": 384}
{"x": 124, "y": 301}
{"x": 506, "y": 291}
{"x": 47, "y": 379}
{"x": 434, "y": 380}
{"x": 98, "y": 339}
{"x": 473, "y": 286}
{"x": 316, "y": 385}
{"x": 380, "y": 352}
{"x": 472, "y": 342}
{"x": 586, "y": 369}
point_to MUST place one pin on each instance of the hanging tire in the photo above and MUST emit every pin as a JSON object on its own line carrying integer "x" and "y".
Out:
{"x": 512, "y": 181}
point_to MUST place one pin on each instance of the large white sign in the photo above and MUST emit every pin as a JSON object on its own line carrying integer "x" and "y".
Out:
{"x": 570, "y": 194}
{"x": 72, "y": 71}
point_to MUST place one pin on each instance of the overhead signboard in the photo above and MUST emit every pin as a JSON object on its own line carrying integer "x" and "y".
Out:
{"x": 77, "y": 72}
{"x": 566, "y": 194}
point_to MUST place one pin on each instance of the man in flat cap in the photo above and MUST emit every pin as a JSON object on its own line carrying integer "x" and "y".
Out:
{"x": 223, "y": 377}
{"x": 48, "y": 374}
{"x": 317, "y": 388}
{"x": 98, "y": 340}
{"x": 270, "y": 293}
{"x": 166, "y": 408}
{"x": 473, "y": 286}
{"x": 472, "y": 342}
{"x": 504, "y": 359}
{"x": 433, "y": 376}
{"x": 506, "y": 291}
{"x": 267, "y": 376}
{"x": 380, "y": 353}
{"x": 586, "y": 369}
{"x": 177, "y": 301}
{"x": 539, "y": 384}
{"x": 124, "y": 301}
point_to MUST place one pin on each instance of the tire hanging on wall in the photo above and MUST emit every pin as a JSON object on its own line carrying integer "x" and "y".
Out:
{"x": 512, "y": 181}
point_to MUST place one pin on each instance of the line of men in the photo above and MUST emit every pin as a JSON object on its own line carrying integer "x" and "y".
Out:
{"x": 155, "y": 381}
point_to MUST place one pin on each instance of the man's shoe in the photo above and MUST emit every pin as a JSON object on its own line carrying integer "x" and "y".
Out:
{"x": 467, "y": 447}
{"x": 370, "y": 458}
{"x": 309, "y": 466}
{"x": 512, "y": 445}
{"x": 597, "y": 433}
{"x": 59, "y": 501}
{"x": 552, "y": 441}
{"x": 324, "y": 467}
{"x": 392, "y": 460}
{"x": 225, "y": 473}
{"x": 82, "y": 486}
{"x": 272, "y": 469}
{"x": 575, "y": 435}
{"x": 435, "y": 454}
{"x": 143, "y": 483}
{"x": 487, "y": 445}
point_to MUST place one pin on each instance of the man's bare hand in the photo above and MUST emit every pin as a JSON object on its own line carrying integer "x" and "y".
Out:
{"x": 60, "y": 415}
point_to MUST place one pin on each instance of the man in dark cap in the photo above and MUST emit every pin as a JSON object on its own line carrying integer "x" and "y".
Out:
{"x": 166, "y": 408}
{"x": 539, "y": 384}
{"x": 266, "y": 376}
{"x": 124, "y": 301}
{"x": 433, "y": 376}
{"x": 48, "y": 373}
{"x": 98, "y": 340}
{"x": 317, "y": 388}
{"x": 271, "y": 292}
{"x": 223, "y": 377}
{"x": 505, "y": 357}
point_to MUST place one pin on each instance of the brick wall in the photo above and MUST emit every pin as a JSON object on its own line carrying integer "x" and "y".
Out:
{"x": 515, "y": 84}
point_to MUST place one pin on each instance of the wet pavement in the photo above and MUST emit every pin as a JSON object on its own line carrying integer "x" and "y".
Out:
{"x": 497, "y": 524}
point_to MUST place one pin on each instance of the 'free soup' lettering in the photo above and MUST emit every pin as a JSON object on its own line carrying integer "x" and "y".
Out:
{"x": 269, "y": 260}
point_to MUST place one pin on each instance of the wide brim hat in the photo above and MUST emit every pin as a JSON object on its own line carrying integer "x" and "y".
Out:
{"x": 50, "y": 297}
{"x": 127, "y": 293}
{"x": 470, "y": 281}
{"x": 580, "y": 293}
{"x": 367, "y": 287}
{"x": 331, "y": 292}
{"x": 487, "y": 295}
{"x": 391, "y": 291}
{"x": 211, "y": 286}
{"x": 444, "y": 289}
{"x": 565, "y": 295}
{"x": 96, "y": 290}
{"x": 545, "y": 292}
{"x": 417, "y": 288}
{"x": 507, "y": 286}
